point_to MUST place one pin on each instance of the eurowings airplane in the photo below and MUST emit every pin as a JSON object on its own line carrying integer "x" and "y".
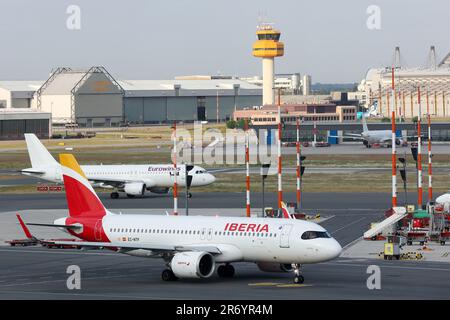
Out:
{"x": 191, "y": 246}
{"x": 133, "y": 180}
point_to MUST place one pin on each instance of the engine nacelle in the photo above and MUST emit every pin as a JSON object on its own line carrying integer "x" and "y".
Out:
{"x": 134, "y": 188}
{"x": 159, "y": 190}
{"x": 274, "y": 267}
{"x": 193, "y": 264}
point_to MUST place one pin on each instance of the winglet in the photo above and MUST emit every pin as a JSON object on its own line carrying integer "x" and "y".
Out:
{"x": 24, "y": 227}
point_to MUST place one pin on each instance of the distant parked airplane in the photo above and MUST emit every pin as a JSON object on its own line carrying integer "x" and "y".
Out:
{"x": 131, "y": 179}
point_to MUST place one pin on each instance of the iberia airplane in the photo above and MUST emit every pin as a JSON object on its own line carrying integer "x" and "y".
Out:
{"x": 191, "y": 246}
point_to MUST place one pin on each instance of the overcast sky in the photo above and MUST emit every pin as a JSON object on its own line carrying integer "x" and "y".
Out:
{"x": 149, "y": 39}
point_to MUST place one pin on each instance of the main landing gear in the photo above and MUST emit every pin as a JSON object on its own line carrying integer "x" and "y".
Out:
{"x": 298, "y": 278}
{"x": 114, "y": 195}
{"x": 168, "y": 275}
{"x": 189, "y": 195}
{"x": 225, "y": 271}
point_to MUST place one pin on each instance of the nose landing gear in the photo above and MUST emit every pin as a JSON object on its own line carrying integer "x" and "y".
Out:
{"x": 298, "y": 278}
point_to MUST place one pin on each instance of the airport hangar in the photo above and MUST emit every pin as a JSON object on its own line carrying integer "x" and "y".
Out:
{"x": 93, "y": 98}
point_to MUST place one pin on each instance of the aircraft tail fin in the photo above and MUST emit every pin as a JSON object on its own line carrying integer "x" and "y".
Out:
{"x": 39, "y": 155}
{"x": 284, "y": 209}
{"x": 81, "y": 197}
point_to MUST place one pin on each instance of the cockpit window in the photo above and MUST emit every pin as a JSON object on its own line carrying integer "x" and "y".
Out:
{"x": 308, "y": 235}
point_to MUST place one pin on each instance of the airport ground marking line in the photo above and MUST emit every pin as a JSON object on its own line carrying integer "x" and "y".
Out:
{"x": 90, "y": 294}
{"x": 293, "y": 285}
{"x": 348, "y": 225}
{"x": 388, "y": 266}
{"x": 60, "y": 252}
{"x": 59, "y": 280}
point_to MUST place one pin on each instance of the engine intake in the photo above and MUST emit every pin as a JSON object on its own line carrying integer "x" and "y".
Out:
{"x": 193, "y": 264}
{"x": 274, "y": 267}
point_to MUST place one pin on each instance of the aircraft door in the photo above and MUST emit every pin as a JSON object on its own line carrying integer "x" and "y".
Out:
{"x": 284, "y": 236}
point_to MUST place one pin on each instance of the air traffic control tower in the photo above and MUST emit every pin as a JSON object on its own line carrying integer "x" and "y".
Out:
{"x": 268, "y": 47}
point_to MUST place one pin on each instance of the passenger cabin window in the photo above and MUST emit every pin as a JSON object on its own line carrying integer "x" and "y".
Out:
{"x": 308, "y": 235}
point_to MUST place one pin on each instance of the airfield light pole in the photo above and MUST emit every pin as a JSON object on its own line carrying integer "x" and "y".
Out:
{"x": 430, "y": 172}
{"x": 280, "y": 188}
{"x": 186, "y": 179}
{"x": 298, "y": 164}
{"x": 419, "y": 154}
{"x": 247, "y": 171}
{"x": 175, "y": 186}
{"x": 394, "y": 159}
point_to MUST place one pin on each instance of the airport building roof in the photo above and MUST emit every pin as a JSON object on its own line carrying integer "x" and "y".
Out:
{"x": 188, "y": 87}
{"x": 21, "y": 85}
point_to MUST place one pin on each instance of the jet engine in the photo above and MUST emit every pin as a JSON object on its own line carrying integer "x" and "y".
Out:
{"x": 274, "y": 267}
{"x": 134, "y": 188}
{"x": 158, "y": 190}
{"x": 193, "y": 264}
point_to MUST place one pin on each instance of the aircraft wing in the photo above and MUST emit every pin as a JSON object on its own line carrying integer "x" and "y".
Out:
{"x": 135, "y": 246}
{"x": 356, "y": 137}
{"x": 117, "y": 183}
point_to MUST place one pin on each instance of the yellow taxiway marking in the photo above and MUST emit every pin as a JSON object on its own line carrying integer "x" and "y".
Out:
{"x": 264, "y": 284}
{"x": 278, "y": 285}
{"x": 293, "y": 285}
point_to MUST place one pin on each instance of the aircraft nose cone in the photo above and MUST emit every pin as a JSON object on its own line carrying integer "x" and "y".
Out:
{"x": 334, "y": 249}
{"x": 211, "y": 179}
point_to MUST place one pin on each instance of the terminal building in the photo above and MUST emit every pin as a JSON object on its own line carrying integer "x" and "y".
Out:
{"x": 324, "y": 112}
{"x": 433, "y": 81}
{"x": 94, "y": 98}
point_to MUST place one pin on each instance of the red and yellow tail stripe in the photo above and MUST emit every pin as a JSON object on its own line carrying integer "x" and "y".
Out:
{"x": 81, "y": 197}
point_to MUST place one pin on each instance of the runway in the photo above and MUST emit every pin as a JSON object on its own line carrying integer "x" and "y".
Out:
{"x": 38, "y": 273}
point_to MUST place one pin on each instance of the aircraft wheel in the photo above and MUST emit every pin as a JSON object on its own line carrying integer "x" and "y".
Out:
{"x": 168, "y": 275}
{"x": 189, "y": 195}
{"x": 114, "y": 195}
{"x": 299, "y": 279}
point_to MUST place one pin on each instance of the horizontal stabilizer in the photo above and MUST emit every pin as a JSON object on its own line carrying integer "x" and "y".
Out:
{"x": 54, "y": 225}
{"x": 32, "y": 171}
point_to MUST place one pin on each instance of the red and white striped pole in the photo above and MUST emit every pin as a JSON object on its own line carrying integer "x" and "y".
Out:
{"x": 247, "y": 171}
{"x": 298, "y": 165}
{"x": 394, "y": 164}
{"x": 280, "y": 187}
{"x": 394, "y": 155}
{"x": 430, "y": 172}
{"x": 419, "y": 154}
{"x": 175, "y": 185}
